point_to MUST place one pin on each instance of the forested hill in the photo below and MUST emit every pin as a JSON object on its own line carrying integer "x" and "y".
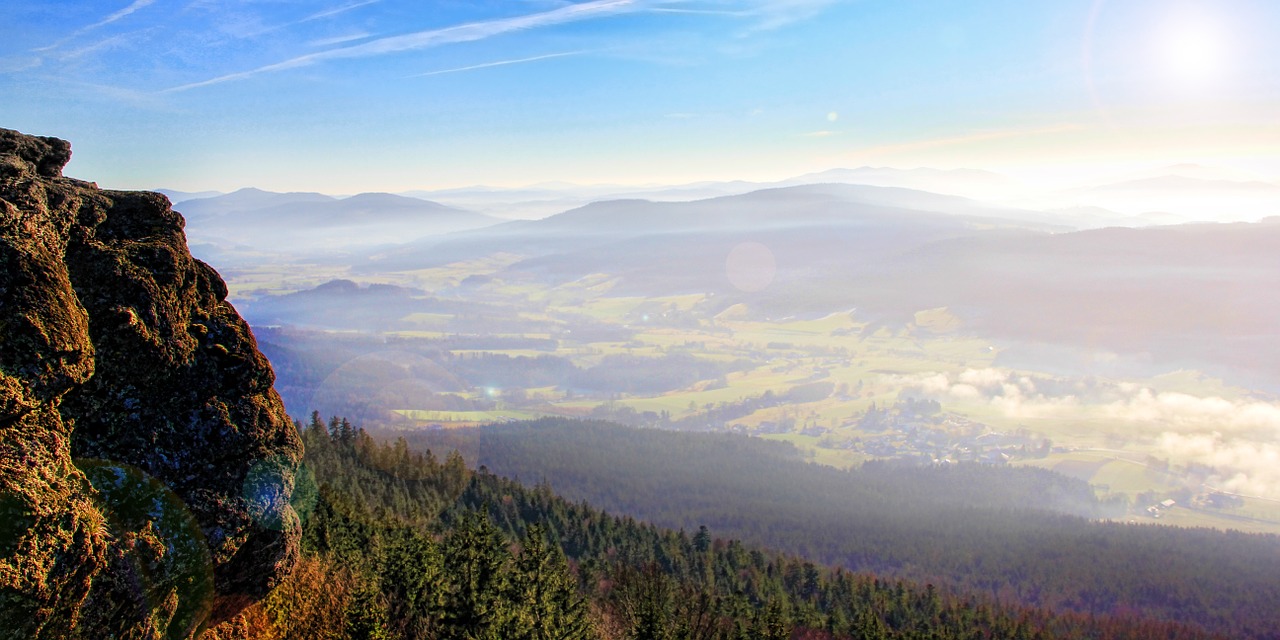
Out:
{"x": 996, "y": 531}
{"x": 399, "y": 544}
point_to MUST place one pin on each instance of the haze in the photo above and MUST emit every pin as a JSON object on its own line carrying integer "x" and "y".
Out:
{"x": 1049, "y": 218}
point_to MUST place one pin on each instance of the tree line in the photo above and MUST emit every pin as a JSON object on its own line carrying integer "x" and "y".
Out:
{"x": 398, "y": 543}
{"x": 1021, "y": 536}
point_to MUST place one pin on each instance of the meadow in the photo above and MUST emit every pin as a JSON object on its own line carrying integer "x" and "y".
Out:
{"x": 811, "y": 381}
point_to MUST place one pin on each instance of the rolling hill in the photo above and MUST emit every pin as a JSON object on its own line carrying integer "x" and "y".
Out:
{"x": 298, "y": 222}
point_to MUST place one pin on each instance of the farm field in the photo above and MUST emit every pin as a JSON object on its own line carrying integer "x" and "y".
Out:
{"x": 843, "y": 388}
{"x": 467, "y": 418}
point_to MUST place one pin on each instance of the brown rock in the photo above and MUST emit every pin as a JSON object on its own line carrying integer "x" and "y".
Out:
{"x": 119, "y": 351}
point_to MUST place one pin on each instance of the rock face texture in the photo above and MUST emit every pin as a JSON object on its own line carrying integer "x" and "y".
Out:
{"x": 146, "y": 463}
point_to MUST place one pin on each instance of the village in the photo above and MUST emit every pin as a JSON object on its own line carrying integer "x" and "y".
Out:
{"x": 918, "y": 431}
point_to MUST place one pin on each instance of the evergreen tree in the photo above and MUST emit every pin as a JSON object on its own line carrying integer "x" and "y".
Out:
{"x": 410, "y": 571}
{"x": 366, "y": 616}
{"x": 645, "y": 599}
{"x": 475, "y": 580}
{"x": 544, "y": 595}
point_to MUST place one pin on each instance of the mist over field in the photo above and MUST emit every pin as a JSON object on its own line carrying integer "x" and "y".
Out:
{"x": 1236, "y": 438}
{"x": 1121, "y": 338}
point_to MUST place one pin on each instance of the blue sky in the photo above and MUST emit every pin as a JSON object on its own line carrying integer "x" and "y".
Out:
{"x": 342, "y": 96}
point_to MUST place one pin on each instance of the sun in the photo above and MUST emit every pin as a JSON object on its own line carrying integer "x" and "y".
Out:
{"x": 1190, "y": 50}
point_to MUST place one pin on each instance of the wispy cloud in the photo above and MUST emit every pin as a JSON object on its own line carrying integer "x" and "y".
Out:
{"x": 329, "y": 13}
{"x": 770, "y": 14}
{"x": 703, "y": 12}
{"x": 765, "y": 15}
{"x": 101, "y": 45}
{"x": 775, "y": 14}
{"x": 19, "y": 63}
{"x": 350, "y": 37}
{"x": 114, "y": 17}
{"x": 500, "y": 63}
{"x": 123, "y": 13}
{"x": 825, "y": 133}
{"x": 469, "y": 32}
{"x": 94, "y": 90}
{"x": 319, "y": 15}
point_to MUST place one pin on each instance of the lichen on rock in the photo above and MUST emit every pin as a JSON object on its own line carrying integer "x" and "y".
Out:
{"x": 146, "y": 462}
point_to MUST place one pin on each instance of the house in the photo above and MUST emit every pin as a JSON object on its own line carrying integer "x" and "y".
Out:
{"x": 995, "y": 456}
{"x": 1156, "y": 509}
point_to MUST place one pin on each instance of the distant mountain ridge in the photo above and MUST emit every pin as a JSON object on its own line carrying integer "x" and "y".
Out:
{"x": 246, "y": 199}
{"x": 542, "y": 200}
{"x": 1193, "y": 293}
{"x": 867, "y": 218}
{"x": 1184, "y": 183}
{"x": 268, "y": 220}
{"x": 1169, "y": 194}
{"x": 175, "y": 195}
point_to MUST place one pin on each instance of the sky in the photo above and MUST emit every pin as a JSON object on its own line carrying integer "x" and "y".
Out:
{"x": 344, "y": 96}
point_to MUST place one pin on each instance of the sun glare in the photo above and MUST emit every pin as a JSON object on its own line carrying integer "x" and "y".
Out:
{"x": 1190, "y": 50}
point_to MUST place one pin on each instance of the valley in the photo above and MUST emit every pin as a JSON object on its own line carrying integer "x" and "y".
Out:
{"x": 963, "y": 392}
{"x": 476, "y": 344}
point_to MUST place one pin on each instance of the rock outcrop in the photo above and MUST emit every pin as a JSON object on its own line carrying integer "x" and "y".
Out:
{"x": 146, "y": 463}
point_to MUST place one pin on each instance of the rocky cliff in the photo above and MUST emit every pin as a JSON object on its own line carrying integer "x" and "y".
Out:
{"x": 146, "y": 463}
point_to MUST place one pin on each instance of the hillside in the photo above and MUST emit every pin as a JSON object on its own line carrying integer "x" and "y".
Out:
{"x": 863, "y": 215}
{"x": 1010, "y": 533}
{"x": 1184, "y": 296}
{"x": 399, "y": 543}
{"x": 298, "y": 223}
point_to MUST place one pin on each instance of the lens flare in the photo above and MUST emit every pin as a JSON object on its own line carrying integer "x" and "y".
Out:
{"x": 750, "y": 267}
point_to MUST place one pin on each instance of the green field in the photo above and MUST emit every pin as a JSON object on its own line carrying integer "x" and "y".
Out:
{"x": 930, "y": 356}
{"x": 468, "y": 417}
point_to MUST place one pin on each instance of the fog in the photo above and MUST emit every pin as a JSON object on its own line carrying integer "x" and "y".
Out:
{"x": 1235, "y": 437}
{"x": 1029, "y": 309}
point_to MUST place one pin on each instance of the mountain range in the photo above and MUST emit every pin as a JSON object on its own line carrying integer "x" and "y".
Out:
{"x": 265, "y": 220}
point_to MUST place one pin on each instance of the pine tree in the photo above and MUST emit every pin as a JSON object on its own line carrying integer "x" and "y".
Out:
{"x": 702, "y": 540}
{"x": 645, "y": 599}
{"x": 769, "y": 624}
{"x": 366, "y": 616}
{"x": 544, "y": 594}
{"x": 409, "y": 569}
{"x": 475, "y": 559}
